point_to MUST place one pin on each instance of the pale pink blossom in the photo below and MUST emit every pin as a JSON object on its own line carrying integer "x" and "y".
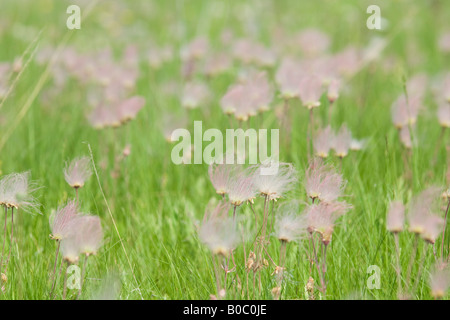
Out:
{"x": 129, "y": 108}
{"x": 312, "y": 42}
{"x": 333, "y": 89}
{"x": 60, "y": 220}
{"x": 217, "y": 64}
{"x": 241, "y": 188}
{"x": 405, "y": 137}
{"x": 16, "y": 191}
{"x": 323, "y": 182}
{"x": 195, "y": 94}
{"x": 220, "y": 175}
{"x": 443, "y": 114}
{"x": 348, "y": 61}
{"x": 342, "y": 141}
{"x": 322, "y": 217}
{"x": 423, "y": 206}
{"x": 195, "y": 50}
{"x": 289, "y": 225}
{"x": 310, "y": 90}
{"x": 323, "y": 142}
{"x": 405, "y": 111}
{"x": 288, "y": 78}
{"x": 91, "y": 234}
{"x": 218, "y": 231}
{"x": 439, "y": 279}
{"x": 395, "y": 217}
{"x": 275, "y": 186}
{"x": 444, "y": 42}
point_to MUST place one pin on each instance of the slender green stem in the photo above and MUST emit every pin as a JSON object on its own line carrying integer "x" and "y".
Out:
{"x": 443, "y": 231}
{"x": 4, "y": 239}
{"x": 54, "y": 268}
{"x": 12, "y": 239}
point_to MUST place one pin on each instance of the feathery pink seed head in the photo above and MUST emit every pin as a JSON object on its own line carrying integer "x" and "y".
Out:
{"x": 443, "y": 114}
{"x": 439, "y": 280}
{"x": 421, "y": 208}
{"x": 310, "y": 90}
{"x": 342, "y": 141}
{"x": 218, "y": 231}
{"x": 219, "y": 175}
{"x": 323, "y": 141}
{"x": 241, "y": 188}
{"x": 60, "y": 220}
{"x": 16, "y": 192}
{"x": 78, "y": 171}
{"x": 395, "y": 217}
{"x": 275, "y": 186}
{"x": 322, "y": 182}
{"x": 322, "y": 217}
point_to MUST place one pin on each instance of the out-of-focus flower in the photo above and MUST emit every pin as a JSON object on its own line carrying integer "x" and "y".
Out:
{"x": 218, "y": 231}
{"x": 312, "y": 42}
{"x": 405, "y": 137}
{"x": 323, "y": 142}
{"x": 129, "y": 108}
{"x": 420, "y": 209}
{"x": 443, "y": 114}
{"x": 241, "y": 188}
{"x": 333, "y": 90}
{"x": 218, "y": 63}
{"x": 321, "y": 218}
{"x": 195, "y": 94}
{"x": 220, "y": 175}
{"x": 275, "y": 186}
{"x": 322, "y": 182}
{"x": 288, "y": 78}
{"x": 395, "y": 217}
{"x": 310, "y": 91}
{"x": 444, "y": 42}
{"x": 439, "y": 280}
{"x": 60, "y": 220}
{"x": 342, "y": 141}
{"x": 404, "y": 111}
{"x": 195, "y": 50}
{"x": 289, "y": 226}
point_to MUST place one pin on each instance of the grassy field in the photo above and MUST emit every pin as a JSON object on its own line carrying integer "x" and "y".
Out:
{"x": 151, "y": 208}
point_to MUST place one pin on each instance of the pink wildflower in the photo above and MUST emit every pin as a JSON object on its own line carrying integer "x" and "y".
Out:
{"x": 60, "y": 220}
{"x": 310, "y": 91}
{"x": 342, "y": 141}
{"x": 275, "y": 186}
{"x": 322, "y": 182}
{"x": 77, "y": 172}
{"x": 323, "y": 141}
{"x": 395, "y": 217}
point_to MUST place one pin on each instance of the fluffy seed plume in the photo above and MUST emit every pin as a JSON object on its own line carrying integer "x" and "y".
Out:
{"x": 322, "y": 182}
{"x": 439, "y": 280}
{"x": 77, "y": 172}
{"x": 289, "y": 225}
{"x": 241, "y": 188}
{"x": 421, "y": 209}
{"x": 16, "y": 191}
{"x": 321, "y": 218}
{"x": 218, "y": 231}
{"x": 395, "y": 217}
{"x": 275, "y": 186}
{"x": 323, "y": 141}
{"x": 61, "y": 218}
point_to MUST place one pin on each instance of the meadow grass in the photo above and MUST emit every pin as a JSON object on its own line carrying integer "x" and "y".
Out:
{"x": 156, "y": 204}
